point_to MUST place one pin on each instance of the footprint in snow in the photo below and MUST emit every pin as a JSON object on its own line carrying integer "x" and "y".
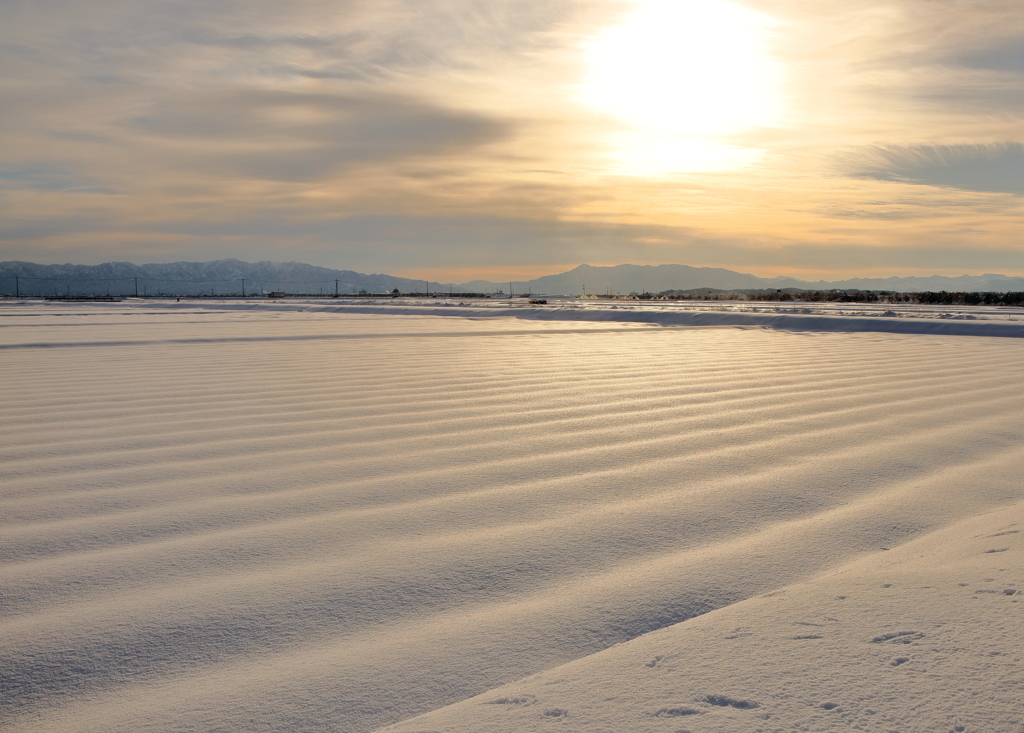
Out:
{"x": 519, "y": 700}
{"x": 898, "y": 637}
{"x": 676, "y": 712}
{"x": 725, "y": 701}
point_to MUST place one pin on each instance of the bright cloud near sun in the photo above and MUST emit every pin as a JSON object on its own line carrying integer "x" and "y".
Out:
{"x": 683, "y": 76}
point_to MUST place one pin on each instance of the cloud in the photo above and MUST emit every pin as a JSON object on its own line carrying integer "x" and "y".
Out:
{"x": 995, "y": 168}
{"x": 1006, "y": 56}
{"x": 393, "y": 134}
{"x": 294, "y": 136}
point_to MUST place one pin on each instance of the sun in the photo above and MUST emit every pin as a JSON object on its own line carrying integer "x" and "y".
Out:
{"x": 682, "y": 76}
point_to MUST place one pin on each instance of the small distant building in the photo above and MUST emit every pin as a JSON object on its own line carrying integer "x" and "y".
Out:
{"x": 277, "y": 294}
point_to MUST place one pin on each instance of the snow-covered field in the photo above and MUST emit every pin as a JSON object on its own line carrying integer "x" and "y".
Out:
{"x": 287, "y": 517}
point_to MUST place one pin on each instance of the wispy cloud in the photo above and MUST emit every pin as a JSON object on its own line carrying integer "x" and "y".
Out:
{"x": 997, "y": 168}
{"x": 296, "y": 136}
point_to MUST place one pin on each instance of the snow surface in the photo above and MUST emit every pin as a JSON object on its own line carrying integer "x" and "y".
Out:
{"x": 924, "y": 638}
{"x": 844, "y": 317}
{"x": 300, "y": 517}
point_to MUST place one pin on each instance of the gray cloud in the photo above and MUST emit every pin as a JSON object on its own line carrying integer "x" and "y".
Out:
{"x": 983, "y": 168}
{"x": 875, "y": 213}
{"x": 214, "y": 88}
{"x": 256, "y": 41}
{"x": 303, "y": 137}
{"x": 347, "y": 38}
{"x": 42, "y": 177}
{"x": 1005, "y": 56}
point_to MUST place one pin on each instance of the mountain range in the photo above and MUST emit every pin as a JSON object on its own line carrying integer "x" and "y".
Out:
{"x": 228, "y": 277}
{"x": 624, "y": 279}
{"x": 219, "y": 277}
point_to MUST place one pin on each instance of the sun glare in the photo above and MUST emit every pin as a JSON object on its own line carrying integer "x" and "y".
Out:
{"x": 683, "y": 75}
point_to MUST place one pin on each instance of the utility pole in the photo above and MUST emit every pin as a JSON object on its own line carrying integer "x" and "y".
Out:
{"x": 17, "y": 287}
{"x": 335, "y": 288}
{"x": 136, "y": 287}
{"x": 510, "y": 293}
{"x": 243, "y": 287}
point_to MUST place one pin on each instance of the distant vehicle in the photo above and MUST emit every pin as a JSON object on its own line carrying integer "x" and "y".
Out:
{"x": 277, "y": 294}
{"x": 538, "y": 302}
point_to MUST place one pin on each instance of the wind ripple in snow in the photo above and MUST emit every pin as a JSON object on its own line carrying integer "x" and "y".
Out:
{"x": 210, "y": 529}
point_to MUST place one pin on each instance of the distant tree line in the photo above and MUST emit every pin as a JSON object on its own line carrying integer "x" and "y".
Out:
{"x": 840, "y": 296}
{"x": 944, "y": 298}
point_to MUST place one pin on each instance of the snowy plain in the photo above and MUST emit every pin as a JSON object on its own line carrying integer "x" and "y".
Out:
{"x": 338, "y": 517}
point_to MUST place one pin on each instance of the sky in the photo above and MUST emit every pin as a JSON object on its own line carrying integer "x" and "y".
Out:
{"x": 462, "y": 139}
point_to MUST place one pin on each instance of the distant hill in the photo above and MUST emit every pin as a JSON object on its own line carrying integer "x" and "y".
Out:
{"x": 220, "y": 277}
{"x": 225, "y": 277}
{"x": 624, "y": 279}
{"x": 935, "y": 283}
